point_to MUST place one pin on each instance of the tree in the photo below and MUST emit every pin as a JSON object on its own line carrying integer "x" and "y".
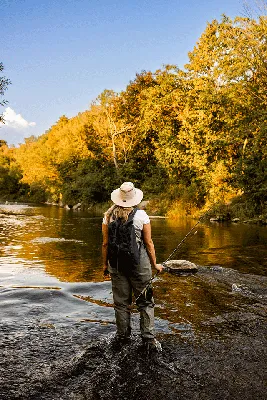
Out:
{"x": 198, "y": 135}
{"x": 4, "y": 82}
{"x": 10, "y": 173}
{"x": 228, "y": 74}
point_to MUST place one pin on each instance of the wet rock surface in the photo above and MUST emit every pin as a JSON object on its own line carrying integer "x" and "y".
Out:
{"x": 68, "y": 362}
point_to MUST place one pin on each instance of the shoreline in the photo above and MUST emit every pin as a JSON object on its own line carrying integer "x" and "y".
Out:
{"x": 99, "y": 209}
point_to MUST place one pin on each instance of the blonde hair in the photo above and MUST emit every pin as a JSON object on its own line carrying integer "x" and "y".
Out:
{"x": 118, "y": 212}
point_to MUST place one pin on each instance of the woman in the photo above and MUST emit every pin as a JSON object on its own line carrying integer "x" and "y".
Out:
{"x": 128, "y": 277}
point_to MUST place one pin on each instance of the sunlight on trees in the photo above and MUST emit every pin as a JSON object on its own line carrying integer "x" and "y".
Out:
{"x": 195, "y": 136}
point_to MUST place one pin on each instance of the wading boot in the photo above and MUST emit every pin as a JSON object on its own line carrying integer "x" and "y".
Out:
{"x": 152, "y": 345}
{"x": 119, "y": 341}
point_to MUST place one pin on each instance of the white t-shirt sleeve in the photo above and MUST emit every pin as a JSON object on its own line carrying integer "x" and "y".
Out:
{"x": 142, "y": 215}
{"x": 140, "y": 219}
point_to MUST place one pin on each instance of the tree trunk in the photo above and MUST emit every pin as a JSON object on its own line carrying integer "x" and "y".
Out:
{"x": 114, "y": 151}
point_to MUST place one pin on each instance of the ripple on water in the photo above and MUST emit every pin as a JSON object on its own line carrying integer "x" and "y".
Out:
{"x": 48, "y": 303}
{"x": 10, "y": 248}
{"x": 43, "y": 240}
{"x": 68, "y": 303}
{"x": 16, "y": 221}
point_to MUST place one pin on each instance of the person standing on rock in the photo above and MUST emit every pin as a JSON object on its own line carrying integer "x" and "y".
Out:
{"x": 128, "y": 255}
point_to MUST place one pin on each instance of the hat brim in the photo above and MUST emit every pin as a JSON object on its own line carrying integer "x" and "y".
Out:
{"x": 116, "y": 198}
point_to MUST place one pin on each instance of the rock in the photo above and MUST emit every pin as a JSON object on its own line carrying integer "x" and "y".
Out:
{"x": 77, "y": 206}
{"x": 235, "y": 288}
{"x": 179, "y": 266}
{"x": 251, "y": 221}
{"x": 217, "y": 268}
{"x": 143, "y": 205}
{"x": 240, "y": 288}
{"x": 235, "y": 220}
{"x": 221, "y": 218}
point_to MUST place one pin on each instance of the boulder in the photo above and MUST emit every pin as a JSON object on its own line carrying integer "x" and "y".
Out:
{"x": 235, "y": 220}
{"x": 180, "y": 266}
{"x": 143, "y": 205}
{"x": 77, "y": 206}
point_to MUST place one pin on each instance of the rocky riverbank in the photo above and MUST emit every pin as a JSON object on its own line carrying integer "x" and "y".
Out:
{"x": 67, "y": 362}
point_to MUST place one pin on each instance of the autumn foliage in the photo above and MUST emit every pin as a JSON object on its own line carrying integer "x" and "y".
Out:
{"x": 196, "y": 135}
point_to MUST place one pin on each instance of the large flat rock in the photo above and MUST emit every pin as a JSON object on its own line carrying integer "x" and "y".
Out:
{"x": 180, "y": 266}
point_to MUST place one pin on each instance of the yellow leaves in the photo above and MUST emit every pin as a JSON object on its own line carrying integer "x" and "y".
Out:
{"x": 229, "y": 51}
{"x": 192, "y": 123}
{"x": 220, "y": 191}
{"x": 65, "y": 142}
{"x": 35, "y": 166}
{"x": 39, "y": 159}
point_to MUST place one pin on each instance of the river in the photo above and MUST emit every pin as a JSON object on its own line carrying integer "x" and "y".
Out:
{"x": 51, "y": 281}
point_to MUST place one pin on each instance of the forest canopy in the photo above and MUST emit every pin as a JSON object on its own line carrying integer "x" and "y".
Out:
{"x": 195, "y": 136}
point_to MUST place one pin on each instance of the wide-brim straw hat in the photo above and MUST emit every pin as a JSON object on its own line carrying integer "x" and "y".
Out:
{"x": 127, "y": 195}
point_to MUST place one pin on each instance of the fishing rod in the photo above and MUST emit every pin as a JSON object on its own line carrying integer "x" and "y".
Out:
{"x": 166, "y": 268}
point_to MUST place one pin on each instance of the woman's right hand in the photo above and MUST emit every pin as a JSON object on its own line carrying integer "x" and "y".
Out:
{"x": 105, "y": 270}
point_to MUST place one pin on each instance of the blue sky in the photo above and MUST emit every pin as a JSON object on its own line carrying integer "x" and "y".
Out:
{"x": 61, "y": 54}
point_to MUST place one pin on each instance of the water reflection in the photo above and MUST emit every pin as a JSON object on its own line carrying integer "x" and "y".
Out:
{"x": 51, "y": 248}
{"x": 238, "y": 246}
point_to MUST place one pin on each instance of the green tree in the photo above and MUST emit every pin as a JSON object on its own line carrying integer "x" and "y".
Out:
{"x": 10, "y": 174}
{"x": 4, "y": 82}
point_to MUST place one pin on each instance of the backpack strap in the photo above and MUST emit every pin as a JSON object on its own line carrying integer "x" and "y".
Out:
{"x": 132, "y": 214}
{"x": 140, "y": 240}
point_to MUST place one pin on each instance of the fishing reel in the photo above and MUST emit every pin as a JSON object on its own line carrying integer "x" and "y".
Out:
{"x": 148, "y": 293}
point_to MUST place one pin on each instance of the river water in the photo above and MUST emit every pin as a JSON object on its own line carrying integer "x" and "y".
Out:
{"x": 51, "y": 276}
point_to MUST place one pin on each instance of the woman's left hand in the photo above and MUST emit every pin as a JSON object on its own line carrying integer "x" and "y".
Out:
{"x": 159, "y": 267}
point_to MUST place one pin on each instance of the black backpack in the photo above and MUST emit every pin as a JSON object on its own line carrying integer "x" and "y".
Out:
{"x": 123, "y": 251}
